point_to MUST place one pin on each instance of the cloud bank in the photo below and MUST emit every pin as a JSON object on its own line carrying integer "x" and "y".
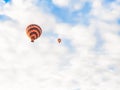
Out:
{"x": 87, "y": 59}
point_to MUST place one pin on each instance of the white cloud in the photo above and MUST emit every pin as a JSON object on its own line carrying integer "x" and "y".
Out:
{"x": 106, "y": 12}
{"x": 48, "y": 65}
{"x": 61, "y": 3}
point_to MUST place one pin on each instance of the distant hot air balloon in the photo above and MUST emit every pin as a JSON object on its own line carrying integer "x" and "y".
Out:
{"x": 33, "y": 31}
{"x": 59, "y": 40}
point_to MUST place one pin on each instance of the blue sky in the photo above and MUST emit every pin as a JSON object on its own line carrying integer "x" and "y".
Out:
{"x": 86, "y": 59}
{"x": 109, "y": 1}
{"x": 7, "y": 1}
{"x": 64, "y": 14}
{"x": 4, "y": 17}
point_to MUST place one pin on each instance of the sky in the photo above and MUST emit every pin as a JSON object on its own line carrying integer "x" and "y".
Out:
{"x": 88, "y": 58}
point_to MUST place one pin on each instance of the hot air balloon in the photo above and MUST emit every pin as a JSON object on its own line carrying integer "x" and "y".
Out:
{"x": 33, "y": 31}
{"x": 59, "y": 40}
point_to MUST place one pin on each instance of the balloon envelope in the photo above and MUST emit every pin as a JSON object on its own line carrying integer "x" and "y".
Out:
{"x": 33, "y": 31}
{"x": 59, "y": 40}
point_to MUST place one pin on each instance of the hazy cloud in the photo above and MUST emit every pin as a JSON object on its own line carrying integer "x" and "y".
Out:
{"x": 87, "y": 59}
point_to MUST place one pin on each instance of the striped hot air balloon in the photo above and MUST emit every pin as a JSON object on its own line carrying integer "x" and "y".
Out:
{"x": 59, "y": 40}
{"x": 33, "y": 31}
